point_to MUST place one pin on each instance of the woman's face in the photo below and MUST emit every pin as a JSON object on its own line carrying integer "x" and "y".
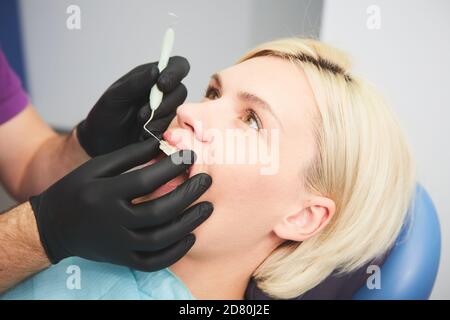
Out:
{"x": 267, "y": 104}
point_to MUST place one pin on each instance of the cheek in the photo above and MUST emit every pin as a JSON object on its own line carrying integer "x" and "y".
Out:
{"x": 247, "y": 205}
{"x": 241, "y": 189}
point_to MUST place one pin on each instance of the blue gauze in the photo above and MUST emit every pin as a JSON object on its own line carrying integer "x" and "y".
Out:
{"x": 99, "y": 281}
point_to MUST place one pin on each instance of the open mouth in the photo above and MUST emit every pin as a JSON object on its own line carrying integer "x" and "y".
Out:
{"x": 168, "y": 186}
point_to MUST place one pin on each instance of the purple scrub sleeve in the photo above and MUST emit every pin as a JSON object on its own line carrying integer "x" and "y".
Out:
{"x": 13, "y": 98}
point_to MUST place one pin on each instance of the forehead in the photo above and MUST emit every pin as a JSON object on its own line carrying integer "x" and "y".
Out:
{"x": 279, "y": 82}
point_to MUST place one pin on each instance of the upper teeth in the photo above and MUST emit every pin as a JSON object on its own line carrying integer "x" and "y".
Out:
{"x": 167, "y": 148}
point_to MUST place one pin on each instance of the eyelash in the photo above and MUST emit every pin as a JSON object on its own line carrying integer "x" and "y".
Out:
{"x": 249, "y": 113}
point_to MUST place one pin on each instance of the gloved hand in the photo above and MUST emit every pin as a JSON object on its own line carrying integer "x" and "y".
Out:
{"x": 113, "y": 122}
{"x": 89, "y": 213}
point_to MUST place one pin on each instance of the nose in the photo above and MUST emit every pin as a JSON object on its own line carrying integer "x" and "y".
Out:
{"x": 195, "y": 118}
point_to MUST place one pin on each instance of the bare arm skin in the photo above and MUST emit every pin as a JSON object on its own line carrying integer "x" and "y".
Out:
{"x": 33, "y": 156}
{"x": 21, "y": 252}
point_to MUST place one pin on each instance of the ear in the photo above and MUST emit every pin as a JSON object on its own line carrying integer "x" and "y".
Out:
{"x": 314, "y": 215}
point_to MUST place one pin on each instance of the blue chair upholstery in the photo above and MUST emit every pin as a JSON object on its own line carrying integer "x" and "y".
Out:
{"x": 410, "y": 269}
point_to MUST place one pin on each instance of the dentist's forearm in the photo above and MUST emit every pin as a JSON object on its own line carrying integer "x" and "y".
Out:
{"x": 33, "y": 156}
{"x": 21, "y": 252}
{"x": 56, "y": 157}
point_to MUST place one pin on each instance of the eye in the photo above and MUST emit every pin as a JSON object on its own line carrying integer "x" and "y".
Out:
{"x": 252, "y": 119}
{"x": 212, "y": 93}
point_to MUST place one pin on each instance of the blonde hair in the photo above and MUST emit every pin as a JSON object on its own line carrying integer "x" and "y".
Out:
{"x": 363, "y": 163}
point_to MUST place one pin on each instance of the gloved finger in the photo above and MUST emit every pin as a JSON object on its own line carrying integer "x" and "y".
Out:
{"x": 163, "y": 236}
{"x": 177, "y": 68}
{"x": 171, "y": 101}
{"x": 168, "y": 207}
{"x": 124, "y": 159}
{"x": 143, "y": 181}
{"x": 134, "y": 89}
{"x": 157, "y": 127}
{"x": 153, "y": 261}
{"x": 138, "y": 69}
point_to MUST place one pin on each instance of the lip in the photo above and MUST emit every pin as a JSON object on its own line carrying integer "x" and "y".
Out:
{"x": 173, "y": 140}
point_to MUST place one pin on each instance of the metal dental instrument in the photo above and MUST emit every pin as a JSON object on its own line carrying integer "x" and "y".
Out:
{"x": 156, "y": 95}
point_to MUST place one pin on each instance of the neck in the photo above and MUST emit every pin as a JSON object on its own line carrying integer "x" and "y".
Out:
{"x": 224, "y": 276}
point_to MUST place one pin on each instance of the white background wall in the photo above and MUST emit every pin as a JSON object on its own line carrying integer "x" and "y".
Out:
{"x": 408, "y": 58}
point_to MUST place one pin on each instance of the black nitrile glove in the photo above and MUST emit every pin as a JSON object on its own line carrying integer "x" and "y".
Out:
{"x": 89, "y": 213}
{"x": 113, "y": 121}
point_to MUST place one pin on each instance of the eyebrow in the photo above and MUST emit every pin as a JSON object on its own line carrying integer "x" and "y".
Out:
{"x": 250, "y": 98}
